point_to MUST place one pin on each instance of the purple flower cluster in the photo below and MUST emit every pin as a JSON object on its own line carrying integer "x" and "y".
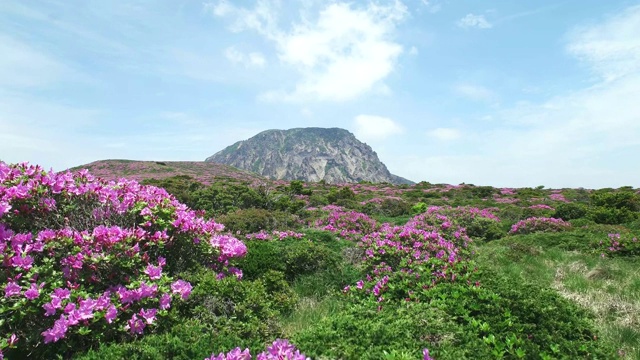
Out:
{"x": 349, "y": 225}
{"x": 280, "y": 349}
{"x": 429, "y": 249}
{"x": 539, "y": 224}
{"x": 111, "y": 272}
{"x": 275, "y": 235}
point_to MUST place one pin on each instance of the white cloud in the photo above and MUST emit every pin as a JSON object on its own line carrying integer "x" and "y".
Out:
{"x": 372, "y": 128}
{"x": 474, "y": 21}
{"x": 445, "y": 134}
{"x": 431, "y": 6}
{"x": 474, "y": 92}
{"x": 344, "y": 53}
{"x": 589, "y": 137}
{"x": 253, "y": 59}
{"x": 612, "y": 49}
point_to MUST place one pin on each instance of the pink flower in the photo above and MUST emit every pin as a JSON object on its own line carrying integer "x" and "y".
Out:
{"x": 57, "y": 332}
{"x": 33, "y": 292}
{"x": 135, "y": 325}
{"x": 148, "y": 315}
{"x": 181, "y": 287}
{"x": 11, "y": 289}
{"x": 13, "y": 339}
{"x": 154, "y": 272}
{"x": 165, "y": 301}
{"x": 111, "y": 314}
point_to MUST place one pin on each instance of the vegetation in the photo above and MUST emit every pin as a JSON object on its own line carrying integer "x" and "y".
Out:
{"x": 96, "y": 270}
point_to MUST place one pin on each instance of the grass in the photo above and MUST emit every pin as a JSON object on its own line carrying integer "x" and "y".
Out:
{"x": 609, "y": 287}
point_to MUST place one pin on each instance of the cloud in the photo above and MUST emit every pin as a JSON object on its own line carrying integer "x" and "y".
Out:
{"x": 372, "y": 128}
{"x": 342, "y": 54}
{"x": 611, "y": 49}
{"x": 474, "y": 92}
{"x": 431, "y": 6}
{"x": 445, "y": 134}
{"x": 253, "y": 59}
{"x": 588, "y": 137}
{"x": 474, "y": 21}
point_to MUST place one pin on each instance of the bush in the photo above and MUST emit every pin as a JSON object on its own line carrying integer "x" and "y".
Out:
{"x": 539, "y": 224}
{"x": 485, "y": 229}
{"x": 570, "y": 211}
{"x": 611, "y": 216}
{"x": 87, "y": 261}
{"x": 294, "y": 258}
{"x": 254, "y": 220}
{"x": 360, "y": 331}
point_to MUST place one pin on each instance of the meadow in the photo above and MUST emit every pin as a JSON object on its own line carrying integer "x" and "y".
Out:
{"x": 240, "y": 268}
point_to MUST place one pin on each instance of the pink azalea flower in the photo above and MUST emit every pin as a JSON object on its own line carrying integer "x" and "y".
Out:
{"x": 11, "y": 289}
{"x": 181, "y": 287}
{"x": 154, "y": 272}
{"x": 165, "y": 301}
{"x": 57, "y": 332}
{"x": 148, "y": 315}
{"x": 111, "y": 314}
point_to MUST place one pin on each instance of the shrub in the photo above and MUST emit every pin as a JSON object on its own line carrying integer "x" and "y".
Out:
{"x": 611, "y": 216}
{"x": 619, "y": 245}
{"x": 539, "y": 224}
{"x": 255, "y": 220}
{"x": 293, "y": 258}
{"x": 570, "y": 211}
{"x": 348, "y": 224}
{"x": 84, "y": 260}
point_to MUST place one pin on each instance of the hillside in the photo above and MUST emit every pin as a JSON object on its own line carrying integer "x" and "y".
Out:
{"x": 204, "y": 172}
{"x": 310, "y": 154}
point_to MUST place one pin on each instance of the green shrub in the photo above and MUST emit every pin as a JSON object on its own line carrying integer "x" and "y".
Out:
{"x": 255, "y": 220}
{"x": 294, "y": 258}
{"x": 570, "y": 211}
{"x": 485, "y": 229}
{"x": 611, "y": 216}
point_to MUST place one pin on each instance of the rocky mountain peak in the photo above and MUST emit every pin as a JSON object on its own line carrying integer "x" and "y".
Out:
{"x": 310, "y": 154}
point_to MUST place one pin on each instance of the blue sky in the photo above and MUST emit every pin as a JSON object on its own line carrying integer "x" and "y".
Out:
{"x": 503, "y": 93}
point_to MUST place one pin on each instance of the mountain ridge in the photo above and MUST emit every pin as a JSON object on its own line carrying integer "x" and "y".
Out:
{"x": 334, "y": 155}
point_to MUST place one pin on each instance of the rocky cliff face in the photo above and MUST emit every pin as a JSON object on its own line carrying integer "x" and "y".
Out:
{"x": 310, "y": 154}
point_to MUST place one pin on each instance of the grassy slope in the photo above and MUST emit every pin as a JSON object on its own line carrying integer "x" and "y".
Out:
{"x": 609, "y": 287}
{"x": 204, "y": 172}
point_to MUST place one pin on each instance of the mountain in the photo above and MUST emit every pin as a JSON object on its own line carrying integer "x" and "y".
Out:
{"x": 310, "y": 154}
{"x": 205, "y": 172}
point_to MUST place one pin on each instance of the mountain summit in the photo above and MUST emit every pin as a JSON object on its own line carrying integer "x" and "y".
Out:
{"x": 310, "y": 154}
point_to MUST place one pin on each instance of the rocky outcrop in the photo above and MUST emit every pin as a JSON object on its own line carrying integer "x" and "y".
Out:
{"x": 310, "y": 154}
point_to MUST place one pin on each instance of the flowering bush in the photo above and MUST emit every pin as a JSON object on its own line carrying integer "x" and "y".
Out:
{"x": 539, "y": 224}
{"x": 620, "y": 245}
{"x": 275, "y": 235}
{"x": 80, "y": 256}
{"x": 279, "y": 350}
{"x": 349, "y": 225}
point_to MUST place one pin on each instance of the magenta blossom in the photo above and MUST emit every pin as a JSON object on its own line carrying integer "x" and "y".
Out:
{"x": 12, "y": 289}
{"x": 181, "y": 287}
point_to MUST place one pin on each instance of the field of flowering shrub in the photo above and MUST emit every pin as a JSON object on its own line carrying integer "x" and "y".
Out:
{"x": 182, "y": 268}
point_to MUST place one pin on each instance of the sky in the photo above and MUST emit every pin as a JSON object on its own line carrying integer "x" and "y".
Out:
{"x": 493, "y": 92}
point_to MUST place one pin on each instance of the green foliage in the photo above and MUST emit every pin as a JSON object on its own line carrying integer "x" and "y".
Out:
{"x": 254, "y": 220}
{"x": 419, "y": 208}
{"x": 360, "y": 331}
{"x": 570, "y": 211}
{"x": 345, "y": 193}
{"x": 292, "y": 257}
{"x": 484, "y": 229}
{"x": 616, "y": 199}
{"x": 610, "y": 215}
{"x": 183, "y": 187}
